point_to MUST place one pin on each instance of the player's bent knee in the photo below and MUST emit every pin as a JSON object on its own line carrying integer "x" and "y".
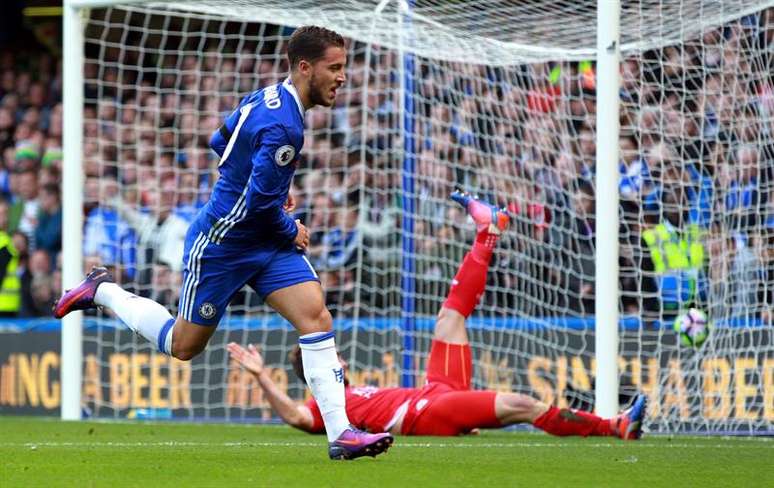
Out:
{"x": 189, "y": 339}
{"x": 183, "y": 355}
{"x": 319, "y": 320}
{"x": 324, "y": 320}
{"x": 514, "y": 407}
{"x": 186, "y": 354}
{"x": 450, "y": 327}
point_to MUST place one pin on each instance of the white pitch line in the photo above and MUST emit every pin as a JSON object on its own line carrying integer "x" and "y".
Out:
{"x": 442, "y": 445}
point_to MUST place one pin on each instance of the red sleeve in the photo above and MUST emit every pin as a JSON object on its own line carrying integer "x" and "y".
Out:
{"x": 317, "y": 424}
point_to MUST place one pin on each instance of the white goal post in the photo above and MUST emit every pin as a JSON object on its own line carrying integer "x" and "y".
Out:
{"x": 606, "y": 257}
{"x": 638, "y": 164}
{"x": 72, "y": 204}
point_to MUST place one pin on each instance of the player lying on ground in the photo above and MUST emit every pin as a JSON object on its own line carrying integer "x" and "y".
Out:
{"x": 245, "y": 235}
{"x": 446, "y": 405}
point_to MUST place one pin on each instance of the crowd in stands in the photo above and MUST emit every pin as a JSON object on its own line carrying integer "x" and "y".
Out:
{"x": 696, "y": 173}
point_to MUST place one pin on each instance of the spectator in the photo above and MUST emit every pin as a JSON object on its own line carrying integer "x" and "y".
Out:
{"x": 24, "y": 209}
{"x": 38, "y": 291}
{"x": 341, "y": 241}
{"x": 573, "y": 232}
{"x": 108, "y": 239}
{"x": 10, "y": 287}
{"x": 675, "y": 254}
{"x": 743, "y": 196}
{"x": 697, "y": 156}
{"x": 159, "y": 230}
{"x": 48, "y": 234}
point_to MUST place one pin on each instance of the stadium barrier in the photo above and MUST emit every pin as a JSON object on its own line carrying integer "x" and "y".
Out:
{"x": 124, "y": 381}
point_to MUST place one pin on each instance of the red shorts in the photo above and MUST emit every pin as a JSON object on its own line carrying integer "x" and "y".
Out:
{"x": 446, "y": 405}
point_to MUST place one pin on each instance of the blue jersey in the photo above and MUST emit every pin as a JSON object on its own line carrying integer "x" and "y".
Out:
{"x": 259, "y": 145}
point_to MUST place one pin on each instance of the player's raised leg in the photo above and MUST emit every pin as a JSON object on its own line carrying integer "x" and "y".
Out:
{"x": 468, "y": 284}
{"x": 474, "y": 409}
{"x": 142, "y": 315}
{"x": 450, "y": 339}
{"x": 303, "y": 306}
{"x": 450, "y": 359}
{"x": 175, "y": 337}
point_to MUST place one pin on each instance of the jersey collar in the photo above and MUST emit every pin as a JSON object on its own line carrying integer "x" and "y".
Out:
{"x": 292, "y": 89}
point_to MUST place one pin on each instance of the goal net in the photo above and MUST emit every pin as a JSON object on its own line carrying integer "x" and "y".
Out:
{"x": 498, "y": 98}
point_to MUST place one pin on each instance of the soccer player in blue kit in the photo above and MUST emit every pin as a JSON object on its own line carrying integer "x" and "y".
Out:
{"x": 245, "y": 235}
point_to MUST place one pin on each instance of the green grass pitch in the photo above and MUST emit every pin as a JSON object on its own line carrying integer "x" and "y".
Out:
{"x": 48, "y": 452}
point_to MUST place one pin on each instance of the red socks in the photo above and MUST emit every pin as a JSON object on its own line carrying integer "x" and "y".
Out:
{"x": 469, "y": 282}
{"x": 566, "y": 421}
{"x": 484, "y": 245}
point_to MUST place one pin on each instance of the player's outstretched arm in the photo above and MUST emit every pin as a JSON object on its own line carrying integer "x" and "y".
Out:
{"x": 298, "y": 416}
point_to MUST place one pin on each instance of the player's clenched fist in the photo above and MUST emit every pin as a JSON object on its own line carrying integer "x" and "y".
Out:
{"x": 302, "y": 237}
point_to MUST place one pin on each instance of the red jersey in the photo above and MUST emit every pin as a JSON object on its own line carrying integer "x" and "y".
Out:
{"x": 444, "y": 406}
{"x": 369, "y": 407}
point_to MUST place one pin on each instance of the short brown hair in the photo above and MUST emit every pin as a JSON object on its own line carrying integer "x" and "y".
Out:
{"x": 310, "y": 42}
